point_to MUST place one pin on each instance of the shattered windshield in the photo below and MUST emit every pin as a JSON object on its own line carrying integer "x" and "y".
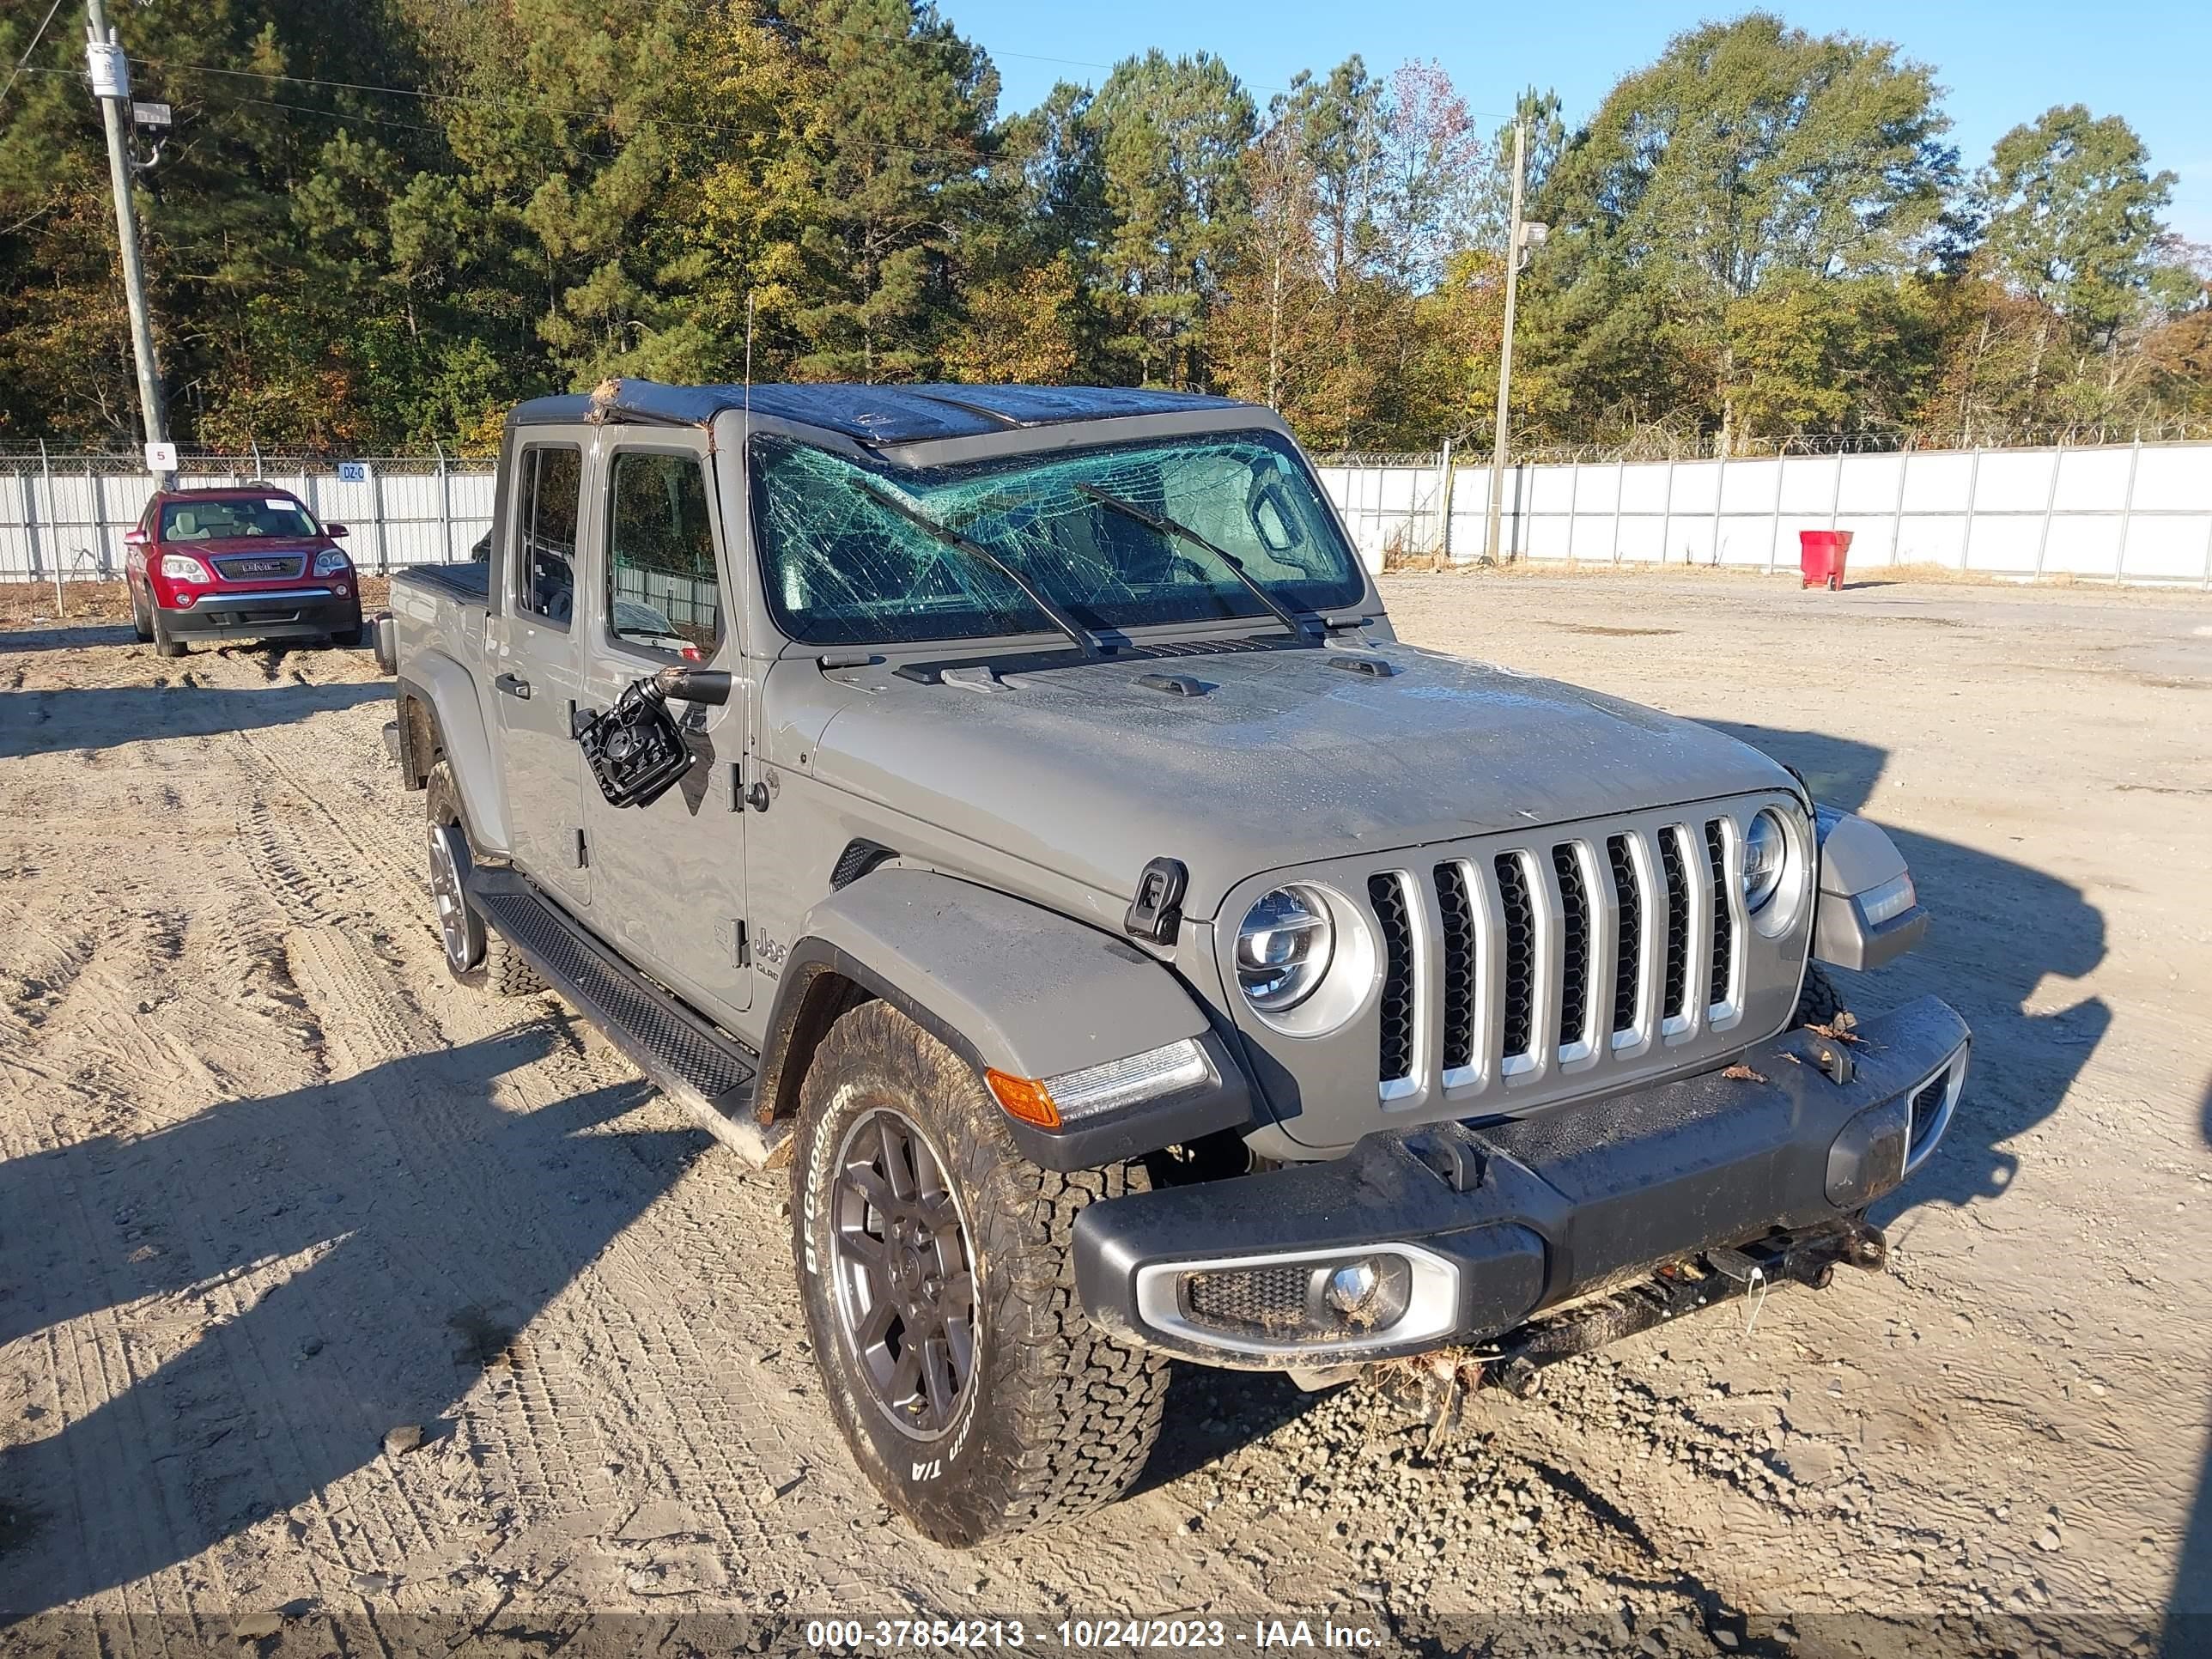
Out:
{"x": 843, "y": 568}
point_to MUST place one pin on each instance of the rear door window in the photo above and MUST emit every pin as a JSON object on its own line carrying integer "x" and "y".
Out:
{"x": 550, "y": 478}
{"x": 664, "y": 594}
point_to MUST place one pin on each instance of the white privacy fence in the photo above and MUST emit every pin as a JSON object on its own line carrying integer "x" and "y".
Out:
{"x": 2138, "y": 512}
{"x": 67, "y": 518}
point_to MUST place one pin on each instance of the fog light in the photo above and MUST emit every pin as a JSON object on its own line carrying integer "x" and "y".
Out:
{"x": 1352, "y": 1287}
{"x": 1370, "y": 1293}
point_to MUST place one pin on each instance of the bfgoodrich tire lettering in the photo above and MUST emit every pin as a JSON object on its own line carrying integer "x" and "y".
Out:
{"x": 1054, "y": 1419}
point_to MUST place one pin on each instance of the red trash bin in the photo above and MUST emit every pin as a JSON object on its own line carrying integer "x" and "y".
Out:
{"x": 1821, "y": 555}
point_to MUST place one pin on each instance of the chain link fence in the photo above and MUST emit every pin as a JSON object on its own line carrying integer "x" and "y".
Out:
{"x": 2136, "y": 511}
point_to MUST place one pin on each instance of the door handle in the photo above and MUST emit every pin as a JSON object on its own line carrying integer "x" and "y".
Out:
{"x": 513, "y": 686}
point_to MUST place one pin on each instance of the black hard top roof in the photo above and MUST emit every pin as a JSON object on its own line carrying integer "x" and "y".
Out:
{"x": 873, "y": 414}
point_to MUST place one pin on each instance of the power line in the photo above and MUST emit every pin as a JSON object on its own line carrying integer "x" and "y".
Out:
{"x": 974, "y": 156}
{"x": 37, "y": 34}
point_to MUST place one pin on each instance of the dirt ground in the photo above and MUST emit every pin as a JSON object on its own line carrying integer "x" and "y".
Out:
{"x": 272, "y": 1188}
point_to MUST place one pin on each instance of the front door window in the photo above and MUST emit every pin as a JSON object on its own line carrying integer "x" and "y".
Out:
{"x": 663, "y": 593}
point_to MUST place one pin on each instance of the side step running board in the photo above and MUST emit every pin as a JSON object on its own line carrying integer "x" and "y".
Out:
{"x": 688, "y": 1059}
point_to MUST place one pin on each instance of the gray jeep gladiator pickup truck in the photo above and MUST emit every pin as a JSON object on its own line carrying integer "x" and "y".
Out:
{"x": 1012, "y": 807}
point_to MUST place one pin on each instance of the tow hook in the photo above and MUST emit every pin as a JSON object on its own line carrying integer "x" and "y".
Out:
{"x": 1835, "y": 1060}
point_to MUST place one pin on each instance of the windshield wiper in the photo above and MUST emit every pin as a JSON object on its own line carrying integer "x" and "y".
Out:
{"x": 1296, "y": 621}
{"x": 952, "y": 538}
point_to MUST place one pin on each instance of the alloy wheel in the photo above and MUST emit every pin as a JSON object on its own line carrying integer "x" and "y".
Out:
{"x": 445, "y": 891}
{"x": 904, "y": 1273}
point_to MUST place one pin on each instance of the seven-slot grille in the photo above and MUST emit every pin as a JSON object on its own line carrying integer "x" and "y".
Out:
{"x": 1607, "y": 942}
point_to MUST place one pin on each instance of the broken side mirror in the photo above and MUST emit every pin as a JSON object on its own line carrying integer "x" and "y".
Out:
{"x": 636, "y": 749}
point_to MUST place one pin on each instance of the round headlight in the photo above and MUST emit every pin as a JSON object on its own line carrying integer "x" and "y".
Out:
{"x": 1283, "y": 949}
{"x": 1766, "y": 852}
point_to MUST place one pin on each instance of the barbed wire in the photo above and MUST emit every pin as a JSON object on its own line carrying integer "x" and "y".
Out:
{"x": 1651, "y": 445}
{"x": 17, "y": 455}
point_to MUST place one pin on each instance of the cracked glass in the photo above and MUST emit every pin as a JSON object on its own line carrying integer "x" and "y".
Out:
{"x": 840, "y": 568}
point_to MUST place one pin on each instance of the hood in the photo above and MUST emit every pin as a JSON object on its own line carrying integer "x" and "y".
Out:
{"x": 1283, "y": 761}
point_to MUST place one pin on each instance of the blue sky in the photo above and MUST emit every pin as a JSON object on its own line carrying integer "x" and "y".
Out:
{"x": 2001, "y": 61}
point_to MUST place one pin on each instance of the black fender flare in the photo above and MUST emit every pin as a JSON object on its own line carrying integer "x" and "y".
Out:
{"x": 1009, "y": 986}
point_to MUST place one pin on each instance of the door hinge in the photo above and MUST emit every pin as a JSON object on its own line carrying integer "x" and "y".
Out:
{"x": 583, "y": 853}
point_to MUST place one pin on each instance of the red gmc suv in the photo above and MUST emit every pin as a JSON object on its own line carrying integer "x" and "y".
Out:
{"x": 242, "y": 564}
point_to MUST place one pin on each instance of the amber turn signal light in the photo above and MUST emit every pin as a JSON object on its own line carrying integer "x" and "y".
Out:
{"x": 1024, "y": 1099}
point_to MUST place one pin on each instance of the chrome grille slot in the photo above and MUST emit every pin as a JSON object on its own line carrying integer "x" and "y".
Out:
{"x": 1676, "y": 994}
{"x": 1394, "y": 1066}
{"x": 1724, "y": 947}
{"x": 1457, "y": 905}
{"x": 1628, "y": 896}
{"x": 1577, "y": 945}
{"x": 1517, "y": 906}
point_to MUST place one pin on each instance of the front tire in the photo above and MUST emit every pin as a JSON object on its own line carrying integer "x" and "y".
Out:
{"x": 476, "y": 956}
{"x": 140, "y": 624}
{"x": 935, "y": 1269}
{"x": 165, "y": 643}
{"x": 1817, "y": 1002}
{"x": 350, "y": 639}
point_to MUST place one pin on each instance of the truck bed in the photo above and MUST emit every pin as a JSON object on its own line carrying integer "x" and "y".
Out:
{"x": 468, "y": 581}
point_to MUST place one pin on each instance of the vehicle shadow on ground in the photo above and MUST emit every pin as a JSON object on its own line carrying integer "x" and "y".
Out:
{"x": 356, "y": 1255}
{"x": 2188, "y": 1632}
{"x": 101, "y": 717}
{"x": 1997, "y": 929}
{"x": 1211, "y": 1413}
{"x": 65, "y": 636}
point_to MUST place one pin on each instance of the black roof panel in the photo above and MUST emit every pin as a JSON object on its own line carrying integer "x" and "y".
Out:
{"x": 869, "y": 414}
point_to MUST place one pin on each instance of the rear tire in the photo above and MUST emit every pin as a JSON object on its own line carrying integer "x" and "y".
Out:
{"x": 1050, "y": 1419}
{"x": 165, "y": 643}
{"x": 475, "y": 955}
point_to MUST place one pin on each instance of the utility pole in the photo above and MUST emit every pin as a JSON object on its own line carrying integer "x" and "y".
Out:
{"x": 110, "y": 84}
{"x": 1505, "y": 348}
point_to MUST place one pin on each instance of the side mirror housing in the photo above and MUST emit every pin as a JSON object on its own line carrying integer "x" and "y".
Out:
{"x": 707, "y": 685}
{"x": 635, "y": 749}
{"x": 135, "y": 537}
{"x": 336, "y": 532}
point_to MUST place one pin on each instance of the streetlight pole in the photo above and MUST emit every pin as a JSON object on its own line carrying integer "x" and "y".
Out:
{"x": 111, "y": 85}
{"x": 1505, "y": 348}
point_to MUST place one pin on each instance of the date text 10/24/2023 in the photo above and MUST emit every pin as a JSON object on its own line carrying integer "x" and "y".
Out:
{"x": 1084, "y": 1635}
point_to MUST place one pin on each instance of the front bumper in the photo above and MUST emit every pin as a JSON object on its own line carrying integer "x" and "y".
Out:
{"x": 273, "y": 613}
{"x": 1482, "y": 1228}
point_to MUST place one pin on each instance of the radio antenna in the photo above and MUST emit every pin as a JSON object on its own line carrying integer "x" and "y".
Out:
{"x": 749, "y": 365}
